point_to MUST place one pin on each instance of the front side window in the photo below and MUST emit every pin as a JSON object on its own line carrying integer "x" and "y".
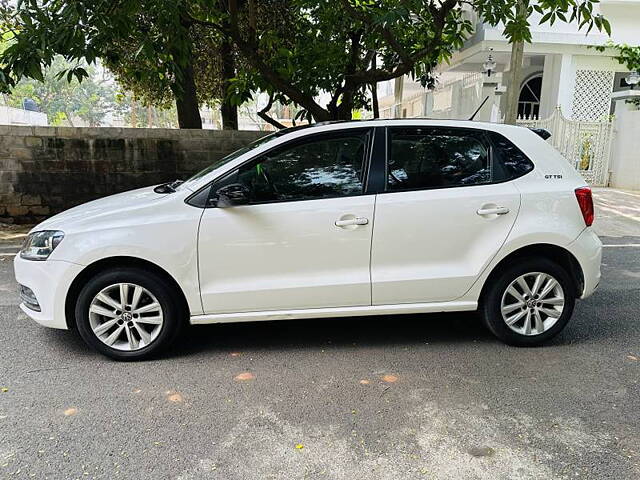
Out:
{"x": 325, "y": 166}
{"x": 427, "y": 157}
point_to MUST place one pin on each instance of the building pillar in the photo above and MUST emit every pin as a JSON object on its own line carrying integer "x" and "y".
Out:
{"x": 398, "y": 91}
{"x": 625, "y": 162}
{"x": 427, "y": 104}
{"x": 558, "y": 82}
{"x": 489, "y": 110}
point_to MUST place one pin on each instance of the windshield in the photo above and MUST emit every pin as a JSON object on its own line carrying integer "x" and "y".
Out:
{"x": 232, "y": 156}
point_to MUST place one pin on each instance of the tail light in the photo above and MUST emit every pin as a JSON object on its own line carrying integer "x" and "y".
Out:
{"x": 585, "y": 201}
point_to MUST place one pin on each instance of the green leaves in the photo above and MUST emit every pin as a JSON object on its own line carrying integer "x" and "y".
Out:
{"x": 62, "y": 99}
{"x": 628, "y": 55}
{"x": 69, "y": 73}
{"x": 296, "y": 50}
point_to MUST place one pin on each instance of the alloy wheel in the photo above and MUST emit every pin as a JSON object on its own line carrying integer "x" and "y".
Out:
{"x": 532, "y": 303}
{"x": 125, "y": 316}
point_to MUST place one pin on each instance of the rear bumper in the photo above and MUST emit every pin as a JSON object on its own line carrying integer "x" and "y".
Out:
{"x": 50, "y": 281}
{"x": 587, "y": 249}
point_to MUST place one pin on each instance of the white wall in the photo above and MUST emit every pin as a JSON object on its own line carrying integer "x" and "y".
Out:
{"x": 17, "y": 116}
{"x": 625, "y": 161}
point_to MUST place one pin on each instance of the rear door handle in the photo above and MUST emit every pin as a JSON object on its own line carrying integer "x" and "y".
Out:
{"x": 352, "y": 221}
{"x": 493, "y": 211}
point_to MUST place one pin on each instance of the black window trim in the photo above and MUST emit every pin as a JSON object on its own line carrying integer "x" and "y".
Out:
{"x": 380, "y": 167}
{"x": 492, "y": 159}
{"x": 370, "y": 133}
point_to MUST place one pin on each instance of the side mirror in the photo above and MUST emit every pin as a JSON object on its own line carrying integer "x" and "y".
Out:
{"x": 232, "y": 194}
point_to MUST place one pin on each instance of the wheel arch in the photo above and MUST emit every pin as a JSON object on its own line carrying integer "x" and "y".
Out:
{"x": 555, "y": 253}
{"x": 112, "y": 262}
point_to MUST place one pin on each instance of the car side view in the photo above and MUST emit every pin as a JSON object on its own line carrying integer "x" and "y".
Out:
{"x": 339, "y": 219}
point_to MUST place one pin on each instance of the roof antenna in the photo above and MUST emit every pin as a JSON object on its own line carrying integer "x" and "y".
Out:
{"x": 481, "y": 105}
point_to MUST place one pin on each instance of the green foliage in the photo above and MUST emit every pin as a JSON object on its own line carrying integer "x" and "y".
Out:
{"x": 295, "y": 50}
{"x": 62, "y": 98}
{"x": 627, "y": 55}
{"x": 329, "y": 45}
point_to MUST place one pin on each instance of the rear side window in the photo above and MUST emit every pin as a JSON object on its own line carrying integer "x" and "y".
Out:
{"x": 508, "y": 160}
{"x": 428, "y": 157}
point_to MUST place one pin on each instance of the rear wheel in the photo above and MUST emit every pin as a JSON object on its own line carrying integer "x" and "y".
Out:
{"x": 128, "y": 314}
{"x": 529, "y": 303}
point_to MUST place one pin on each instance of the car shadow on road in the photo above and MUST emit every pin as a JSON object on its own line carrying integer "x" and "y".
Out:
{"x": 391, "y": 330}
{"x": 394, "y": 331}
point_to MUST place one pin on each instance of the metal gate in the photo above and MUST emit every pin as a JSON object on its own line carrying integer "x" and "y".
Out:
{"x": 586, "y": 145}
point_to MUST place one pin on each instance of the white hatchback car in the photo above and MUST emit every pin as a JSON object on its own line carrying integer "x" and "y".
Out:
{"x": 338, "y": 219}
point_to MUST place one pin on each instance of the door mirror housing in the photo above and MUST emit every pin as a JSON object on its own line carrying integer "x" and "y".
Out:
{"x": 230, "y": 195}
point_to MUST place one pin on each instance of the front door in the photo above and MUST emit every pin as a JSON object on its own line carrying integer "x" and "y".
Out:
{"x": 444, "y": 215}
{"x": 303, "y": 240}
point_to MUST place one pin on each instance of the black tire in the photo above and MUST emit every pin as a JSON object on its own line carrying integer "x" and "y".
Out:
{"x": 491, "y": 312}
{"x": 172, "y": 313}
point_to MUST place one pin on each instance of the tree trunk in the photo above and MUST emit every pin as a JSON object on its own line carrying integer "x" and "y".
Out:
{"x": 228, "y": 111}
{"x": 513, "y": 92}
{"x": 134, "y": 112}
{"x": 515, "y": 73}
{"x": 187, "y": 100}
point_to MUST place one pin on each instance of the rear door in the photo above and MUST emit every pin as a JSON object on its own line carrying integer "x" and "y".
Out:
{"x": 444, "y": 214}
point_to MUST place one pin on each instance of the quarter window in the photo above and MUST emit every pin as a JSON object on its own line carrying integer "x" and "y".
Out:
{"x": 322, "y": 167}
{"x": 421, "y": 158}
{"x": 508, "y": 160}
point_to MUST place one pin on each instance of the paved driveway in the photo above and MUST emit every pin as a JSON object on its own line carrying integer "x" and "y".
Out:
{"x": 406, "y": 397}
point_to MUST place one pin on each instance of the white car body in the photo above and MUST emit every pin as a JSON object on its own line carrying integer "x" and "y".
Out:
{"x": 420, "y": 251}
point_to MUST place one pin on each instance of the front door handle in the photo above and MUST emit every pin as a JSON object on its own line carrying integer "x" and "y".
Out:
{"x": 352, "y": 221}
{"x": 493, "y": 211}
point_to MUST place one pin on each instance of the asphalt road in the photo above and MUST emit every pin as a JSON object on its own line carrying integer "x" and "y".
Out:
{"x": 405, "y": 397}
{"x": 424, "y": 397}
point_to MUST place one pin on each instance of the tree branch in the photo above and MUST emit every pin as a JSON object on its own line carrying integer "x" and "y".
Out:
{"x": 387, "y": 34}
{"x": 381, "y": 75}
{"x": 263, "y": 114}
{"x": 252, "y": 53}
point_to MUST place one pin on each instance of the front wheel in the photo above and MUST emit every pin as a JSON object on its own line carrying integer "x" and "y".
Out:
{"x": 529, "y": 303}
{"x": 128, "y": 313}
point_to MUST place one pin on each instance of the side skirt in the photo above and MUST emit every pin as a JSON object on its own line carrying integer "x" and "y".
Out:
{"x": 334, "y": 312}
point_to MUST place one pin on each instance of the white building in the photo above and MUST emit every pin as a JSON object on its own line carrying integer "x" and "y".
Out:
{"x": 18, "y": 116}
{"x": 562, "y": 76}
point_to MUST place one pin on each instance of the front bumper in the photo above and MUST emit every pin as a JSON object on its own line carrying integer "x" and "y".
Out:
{"x": 587, "y": 249}
{"x": 50, "y": 281}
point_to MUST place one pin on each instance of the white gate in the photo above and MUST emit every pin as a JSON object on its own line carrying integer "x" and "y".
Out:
{"x": 586, "y": 145}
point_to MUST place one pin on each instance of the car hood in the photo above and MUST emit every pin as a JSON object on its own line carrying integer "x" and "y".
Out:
{"x": 96, "y": 210}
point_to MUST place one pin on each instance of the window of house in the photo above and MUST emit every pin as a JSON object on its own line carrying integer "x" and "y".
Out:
{"x": 421, "y": 158}
{"x": 321, "y": 167}
{"x": 529, "y": 99}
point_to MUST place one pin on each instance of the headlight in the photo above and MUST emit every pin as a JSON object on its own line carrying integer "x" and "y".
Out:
{"x": 39, "y": 245}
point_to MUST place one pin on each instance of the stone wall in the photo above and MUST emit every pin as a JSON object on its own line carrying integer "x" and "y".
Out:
{"x": 44, "y": 170}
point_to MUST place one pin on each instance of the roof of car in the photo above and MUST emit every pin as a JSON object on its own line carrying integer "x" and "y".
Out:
{"x": 409, "y": 121}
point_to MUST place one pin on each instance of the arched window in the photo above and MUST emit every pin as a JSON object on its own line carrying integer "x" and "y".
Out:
{"x": 529, "y": 99}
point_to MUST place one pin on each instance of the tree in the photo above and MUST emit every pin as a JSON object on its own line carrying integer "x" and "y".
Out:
{"x": 157, "y": 33}
{"x": 342, "y": 46}
{"x": 294, "y": 50}
{"x": 152, "y": 46}
{"x": 62, "y": 101}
